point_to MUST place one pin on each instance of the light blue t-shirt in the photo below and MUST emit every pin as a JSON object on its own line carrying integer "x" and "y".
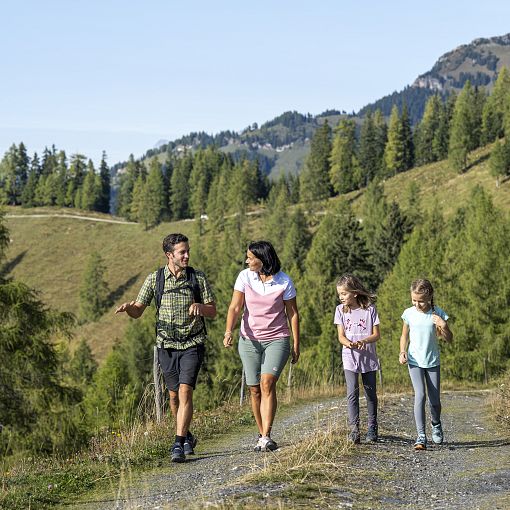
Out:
{"x": 423, "y": 347}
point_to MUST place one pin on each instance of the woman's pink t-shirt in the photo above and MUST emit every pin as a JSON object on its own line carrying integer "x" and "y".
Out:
{"x": 264, "y": 316}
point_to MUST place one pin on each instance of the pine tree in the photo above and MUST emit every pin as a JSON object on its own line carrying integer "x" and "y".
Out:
{"x": 499, "y": 161}
{"x": 441, "y": 140}
{"x": 464, "y": 128}
{"x": 8, "y": 178}
{"x": 427, "y": 130}
{"x": 104, "y": 197}
{"x": 49, "y": 161}
{"x": 407, "y": 139}
{"x": 276, "y": 216}
{"x": 477, "y": 289}
{"x": 127, "y": 182}
{"x": 394, "y": 154}
{"x": 28, "y": 194}
{"x": 62, "y": 179}
{"x": 344, "y": 169}
{"x": 296, "y": 244}
{"x": 83, "y": 365}
{"x": 495, "y": 108}
{"x": 388, "y": 241}
{"x": 94, "y": 290}
{"x": 179, "y": 188}
{"x": 77, "y": 171}
{"x": 420, "y": 257}
{"x": 199, "y": 185}
{"x": 373, "y": 138}
{"x": 138, "y": 196}
{"x": 89, "y": 191}
{"x": 314, "y": 179}
{"x": 153, "y": 202}
{"x": 33, "y": 408}
{"x": 399, "y": 150}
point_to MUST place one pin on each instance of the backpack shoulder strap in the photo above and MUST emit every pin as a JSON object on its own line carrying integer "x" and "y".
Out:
{"x": 197, "y": 296}
{"x": 160, "y": 287}
{"x": 192, "y": 279}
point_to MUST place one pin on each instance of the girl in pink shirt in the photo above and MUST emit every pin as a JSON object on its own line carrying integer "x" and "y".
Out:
{"x": 267, "y": 298}
{"x": 358, "y": 330}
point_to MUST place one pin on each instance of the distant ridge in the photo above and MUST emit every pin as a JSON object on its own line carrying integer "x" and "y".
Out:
{"x": 282, "y": 144}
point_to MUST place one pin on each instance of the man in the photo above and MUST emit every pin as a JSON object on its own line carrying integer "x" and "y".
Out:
{"x": 180, "y": 333}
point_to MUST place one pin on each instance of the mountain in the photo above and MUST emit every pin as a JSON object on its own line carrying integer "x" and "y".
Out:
{"x": 479, "y": 62}
{"x": 281, "y": 145}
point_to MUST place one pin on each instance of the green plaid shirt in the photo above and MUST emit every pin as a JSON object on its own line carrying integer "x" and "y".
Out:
{"x": 176, "y": 329}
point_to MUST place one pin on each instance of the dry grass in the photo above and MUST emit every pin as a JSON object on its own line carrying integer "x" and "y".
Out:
{"x": 500, "y": 402}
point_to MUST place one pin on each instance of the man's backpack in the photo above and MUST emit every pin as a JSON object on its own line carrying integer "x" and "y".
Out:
{"x": 191, "y": 278}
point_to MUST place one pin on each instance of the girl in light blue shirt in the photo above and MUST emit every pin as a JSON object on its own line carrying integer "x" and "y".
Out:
{"x": 423, "y": 323}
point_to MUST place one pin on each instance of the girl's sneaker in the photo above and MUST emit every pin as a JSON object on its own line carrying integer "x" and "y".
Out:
{"x": 372, "y": 434}
{"x": 421, "y": 442}
{"x": 354, "y": 437}
{"x": 437, "y": 433}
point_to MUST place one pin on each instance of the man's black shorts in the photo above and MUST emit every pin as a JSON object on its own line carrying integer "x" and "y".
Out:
{"x": 181, "y": 366}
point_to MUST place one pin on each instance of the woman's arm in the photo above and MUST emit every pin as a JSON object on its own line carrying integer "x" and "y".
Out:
{"x": 236, "y": 305}
{"x": 404, "y": 337}
{"x": 291, "y": 310}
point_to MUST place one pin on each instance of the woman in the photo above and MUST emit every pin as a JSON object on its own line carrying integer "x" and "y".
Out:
{"x": 268, "y": 297}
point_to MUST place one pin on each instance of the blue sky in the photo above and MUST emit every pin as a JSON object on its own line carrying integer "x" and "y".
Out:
{"x": 118, "y": 76}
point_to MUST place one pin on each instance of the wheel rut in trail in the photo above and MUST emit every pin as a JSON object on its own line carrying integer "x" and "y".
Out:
{"x": 471, "y": 470}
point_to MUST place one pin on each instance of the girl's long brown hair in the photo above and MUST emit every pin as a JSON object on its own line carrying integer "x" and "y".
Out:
{"x": 353, "y": 284}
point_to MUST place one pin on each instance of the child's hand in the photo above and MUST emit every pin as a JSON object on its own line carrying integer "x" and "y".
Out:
{"x": 402, "y": 358}
{"x": 438, "y": 321}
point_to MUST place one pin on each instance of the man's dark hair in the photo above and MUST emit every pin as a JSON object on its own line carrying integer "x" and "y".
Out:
{"x": 171, "y": 240}
{"x": 265, "y": 252}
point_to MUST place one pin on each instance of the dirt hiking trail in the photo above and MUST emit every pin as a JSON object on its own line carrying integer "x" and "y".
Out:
{"x": 471, "y": 470}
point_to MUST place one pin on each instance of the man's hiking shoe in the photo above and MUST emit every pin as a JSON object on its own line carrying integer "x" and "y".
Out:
{"x": 265, "y": 444}
{"x": 177, "y": 454}
{"x": 189, "y": 444}
{"x": 421, "y": 442}
{"x": 437, "y": 433}
{"x": 372, "y": 434}
{"x": 354, "y": 437}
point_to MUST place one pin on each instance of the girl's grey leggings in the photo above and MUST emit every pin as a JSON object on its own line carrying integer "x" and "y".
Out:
{"x": 421, "y": 377}
{"x": 369, "y": 384}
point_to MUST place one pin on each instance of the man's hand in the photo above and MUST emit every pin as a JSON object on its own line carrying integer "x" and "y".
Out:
{"x": 133, "y": 309}
{"x": 125, "y": 307}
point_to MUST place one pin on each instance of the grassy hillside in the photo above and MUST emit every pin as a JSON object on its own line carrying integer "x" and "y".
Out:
{"x": 50, "y": 253}
{"x": 439, "y": 184}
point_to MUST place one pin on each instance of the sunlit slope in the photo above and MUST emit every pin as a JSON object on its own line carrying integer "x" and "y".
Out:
{"x": 50, "y": 253}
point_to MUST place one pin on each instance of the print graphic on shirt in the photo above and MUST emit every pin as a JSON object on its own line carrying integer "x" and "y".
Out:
{"x": 362, "y": 324}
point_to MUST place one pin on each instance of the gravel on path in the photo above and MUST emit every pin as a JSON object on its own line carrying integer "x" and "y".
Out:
{"x": 471, "y": 470}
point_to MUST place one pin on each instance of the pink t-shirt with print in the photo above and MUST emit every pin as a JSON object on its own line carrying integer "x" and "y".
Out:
{"x": 264, "y": 316}
{"x": 357, "y": 325}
